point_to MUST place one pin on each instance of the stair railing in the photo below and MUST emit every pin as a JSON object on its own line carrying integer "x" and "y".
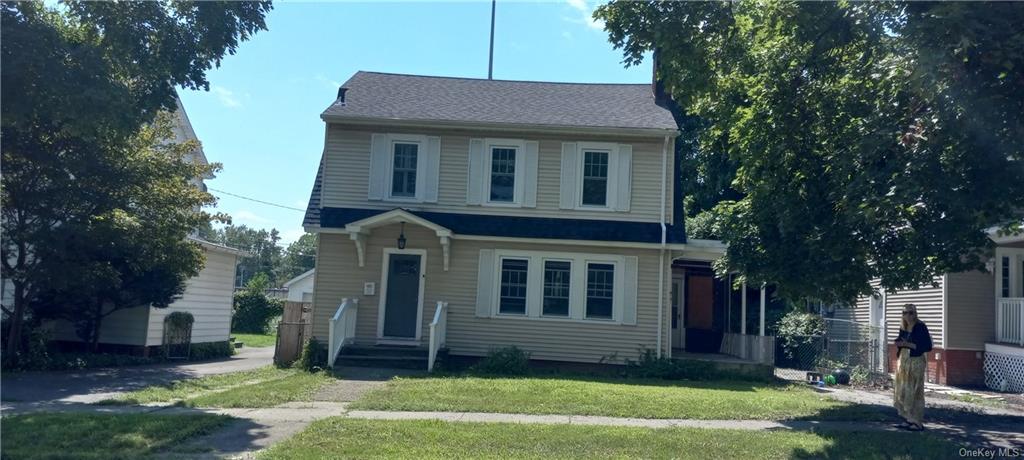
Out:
{"x": 438, "y": 333}
{"x": 342, "y": 328}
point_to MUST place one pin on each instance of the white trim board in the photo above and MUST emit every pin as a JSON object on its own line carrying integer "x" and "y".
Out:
{"x": 382, "y": 305}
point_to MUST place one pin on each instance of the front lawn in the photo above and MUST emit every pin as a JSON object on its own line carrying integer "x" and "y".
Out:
{"x": 256, "y": 340}
{"x": 708, "y": 400}
{"x": 263, "y": 387}
{"x": 352, "y": 438}
{"x": 100, "y": 436}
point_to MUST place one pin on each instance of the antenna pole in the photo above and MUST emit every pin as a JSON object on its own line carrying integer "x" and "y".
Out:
{"x": 490, "y": 59}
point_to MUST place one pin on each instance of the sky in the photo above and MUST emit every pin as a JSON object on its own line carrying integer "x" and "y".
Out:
{"x": 261, "y": 117}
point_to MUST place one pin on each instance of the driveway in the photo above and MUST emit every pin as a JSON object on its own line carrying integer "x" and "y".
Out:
{"x": 92, "y": 385}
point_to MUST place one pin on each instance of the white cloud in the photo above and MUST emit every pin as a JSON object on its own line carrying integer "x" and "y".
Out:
{"x": 585, "y": 15}
{"x": 290, "y": 236}
{"x": 246, "y": 215}
{"x": 333, "y": 84}
{"x": 227, "y": 97}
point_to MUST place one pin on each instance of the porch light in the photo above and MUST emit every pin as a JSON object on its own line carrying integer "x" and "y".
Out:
{"x": 401, "y": 237}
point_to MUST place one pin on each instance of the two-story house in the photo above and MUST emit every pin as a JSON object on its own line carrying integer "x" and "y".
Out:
{"x": 473, "y": 214}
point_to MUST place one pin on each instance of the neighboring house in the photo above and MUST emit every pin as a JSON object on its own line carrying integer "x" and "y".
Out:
{"x": 208, "y": 296}
{"x": 476, "y": 214}
{"x": 976, "y": 320}
{"x": 300, "y": 288}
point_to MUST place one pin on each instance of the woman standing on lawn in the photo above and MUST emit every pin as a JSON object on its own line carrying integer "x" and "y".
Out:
{"x": 911, "y": 345}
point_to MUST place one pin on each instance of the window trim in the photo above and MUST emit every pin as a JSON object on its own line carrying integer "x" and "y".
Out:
{"x": 577, "y": 285}
{"x": 520, "y": 176}
{"x": 615, "y": 292}
{"x": 421, "y": 141}
{"x": 526, "y": 299}
{"x": 610, "y": 182}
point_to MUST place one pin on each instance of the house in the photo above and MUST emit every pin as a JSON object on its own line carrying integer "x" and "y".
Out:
{"x": 976, "y": 320}
{"x": 208, "y": 296}
{"x": 471, "y": 214}
{"x": 300, "y": 288}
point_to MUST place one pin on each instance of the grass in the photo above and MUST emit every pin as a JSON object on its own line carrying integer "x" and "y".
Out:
{"x": 100, "y": 436}
{"x": 263, "y": 387}
{"x": 353, "y": 438}
{"x": 256, "y": 340}
{"x": 707, "y": 400}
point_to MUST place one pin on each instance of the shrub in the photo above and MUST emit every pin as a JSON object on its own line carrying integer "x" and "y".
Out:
{"x": 651, "y": 366}
{"x": 253, "y": 310}
{"x": 798, "y": 329}
{"x": 313, "y": 357}
{"x": 210, "y": 350}
{"x": 504, "y": 361}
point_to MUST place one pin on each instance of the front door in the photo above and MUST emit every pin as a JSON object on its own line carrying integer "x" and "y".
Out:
{"x": 402, "y": 304}
{"x": 699, "y": 316}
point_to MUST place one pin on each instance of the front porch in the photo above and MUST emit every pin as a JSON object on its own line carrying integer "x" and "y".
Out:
{"x": 1004, "y": 359}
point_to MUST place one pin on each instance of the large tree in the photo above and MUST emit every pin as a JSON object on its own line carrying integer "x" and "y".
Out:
{"x": 862, "y": 140}
{"x": 299, "y": 257}
{"x": 264, "y": 254}
{"x": 79, "y": 82}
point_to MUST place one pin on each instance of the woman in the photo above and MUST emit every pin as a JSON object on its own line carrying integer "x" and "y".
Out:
{"x": 911, "y": 345}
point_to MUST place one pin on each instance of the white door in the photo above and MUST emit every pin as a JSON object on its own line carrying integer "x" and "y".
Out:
{"x": 678, "y": 329}
{"x": 876, "y": 317}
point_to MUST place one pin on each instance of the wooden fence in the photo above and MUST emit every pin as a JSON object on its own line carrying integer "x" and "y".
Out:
{"x": 293, "y": 331}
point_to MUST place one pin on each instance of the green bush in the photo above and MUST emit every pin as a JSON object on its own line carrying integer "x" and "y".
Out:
{"x": 253, "y": 310}
{"x": 210, "y": 350}
{"x": 798, "y": 329}
{"x": 313, "y": 357}
{"x": 650, "y": 366}
{"x": 504, "y": 361}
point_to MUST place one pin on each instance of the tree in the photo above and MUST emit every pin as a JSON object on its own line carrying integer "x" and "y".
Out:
{"x": 262, "y": 245}
{"x": 78, "y": 84}
{"x": 299, "y": 257}
{"x": 869, "y": 139}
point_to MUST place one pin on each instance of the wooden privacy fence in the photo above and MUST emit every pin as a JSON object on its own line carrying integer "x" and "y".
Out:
{"x": 293, "y": 331}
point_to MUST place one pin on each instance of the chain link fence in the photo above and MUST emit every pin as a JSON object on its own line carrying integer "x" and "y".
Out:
{"x": 856, "y": 347}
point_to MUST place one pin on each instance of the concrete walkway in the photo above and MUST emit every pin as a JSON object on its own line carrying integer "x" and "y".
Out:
{"x": 92, "y": 385}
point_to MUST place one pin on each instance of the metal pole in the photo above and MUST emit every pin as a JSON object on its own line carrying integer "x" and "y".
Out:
{"x": 490, "y": 58}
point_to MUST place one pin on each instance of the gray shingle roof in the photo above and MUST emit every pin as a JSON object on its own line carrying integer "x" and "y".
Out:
{"x": 312, "y": 217}
{"x": 421, "y": 98}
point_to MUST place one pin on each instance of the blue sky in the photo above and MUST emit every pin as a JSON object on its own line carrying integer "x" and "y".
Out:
{"x": 261, "y": 117}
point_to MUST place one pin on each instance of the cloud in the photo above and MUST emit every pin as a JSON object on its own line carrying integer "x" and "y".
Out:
{"x": 586, "y": 13}
{"x": 227, "y": 97}
{"x": 333, "y": 84}
{"x": 290, "y": 236}
{"x": 246, "y": 215}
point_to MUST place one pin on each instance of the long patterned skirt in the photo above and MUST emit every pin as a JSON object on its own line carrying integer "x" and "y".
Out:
{"x": 909, "y": 397}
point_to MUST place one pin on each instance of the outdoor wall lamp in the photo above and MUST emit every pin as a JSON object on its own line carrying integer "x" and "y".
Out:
{"x": 401, "y": 237}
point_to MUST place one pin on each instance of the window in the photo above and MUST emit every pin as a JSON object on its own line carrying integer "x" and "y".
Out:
{"x": 1005, "y": 275}
{"x": 556, "y": 288}
{"x": 513, "y": 287}
{"x": 503, "y": 174}
{"x": 403, "y": 178}
{"x": 595, "y": 178}
{"x": 600, "y": 290}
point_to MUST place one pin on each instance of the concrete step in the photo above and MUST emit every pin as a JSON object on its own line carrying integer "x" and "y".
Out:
{"x": 382, "y": 361}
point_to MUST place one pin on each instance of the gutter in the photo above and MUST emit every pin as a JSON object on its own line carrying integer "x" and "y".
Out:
{"x": 661, "y": 252}
{"x": 494, "y": 126}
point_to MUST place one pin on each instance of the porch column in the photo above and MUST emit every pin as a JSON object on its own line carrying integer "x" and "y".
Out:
{"x": 761, "y": 332}
{"x": 743, "y": 309}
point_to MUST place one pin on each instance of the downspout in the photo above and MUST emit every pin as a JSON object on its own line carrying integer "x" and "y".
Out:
{"x": 661, "y": 251}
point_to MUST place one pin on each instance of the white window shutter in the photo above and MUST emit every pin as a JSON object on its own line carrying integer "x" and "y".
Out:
{"x": 476, "y": 174}
{"x": 624, "y": 177}
{"x": 432, "y": 169}
{"x": 569, "y": 186}
{"x": 378, "y": 167}
{"x": 485, "y": 283}
{"x": 629, "y": 277}
{"x": 530, "y": 174}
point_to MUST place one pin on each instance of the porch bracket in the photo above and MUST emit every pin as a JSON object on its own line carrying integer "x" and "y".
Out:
{"x": 360, "y": 240}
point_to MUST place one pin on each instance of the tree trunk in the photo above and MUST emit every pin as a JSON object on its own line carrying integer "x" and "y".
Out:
{"x": 95, "y": 339}
{"x": 17, "y": 319}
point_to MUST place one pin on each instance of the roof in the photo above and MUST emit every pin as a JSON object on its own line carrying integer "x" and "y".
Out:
{"x": 299, "y": 278}
{"x": 520, "y": 226}
{"x": 312, "y": 216}
{"x": 218, "y": 247}
{"x": 396, "y": 97}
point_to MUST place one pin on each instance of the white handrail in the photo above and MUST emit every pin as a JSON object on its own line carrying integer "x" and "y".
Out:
{"x": 438, "y": 333}
{"x": 1010, "y": 320}
{"x": 342, "y": 328}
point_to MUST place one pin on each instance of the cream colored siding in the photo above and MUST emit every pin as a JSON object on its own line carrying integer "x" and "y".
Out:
{"x": 123, "y": 327}
{"x": 208, "y": 296}
{"x": 347, "y": 166}
{"x": 970, "y": 311}
{"x": 338, "y": 276}
{"x": 928, "y": 300}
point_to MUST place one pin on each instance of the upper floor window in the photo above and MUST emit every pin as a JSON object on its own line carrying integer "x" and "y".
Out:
{"x": 596, "y": 176}
{"x": 403, "y": 171}
{"x": 503, "y": 174}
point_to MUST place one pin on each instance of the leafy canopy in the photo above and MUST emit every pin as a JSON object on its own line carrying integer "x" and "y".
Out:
{"x": 860, "y": 140}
